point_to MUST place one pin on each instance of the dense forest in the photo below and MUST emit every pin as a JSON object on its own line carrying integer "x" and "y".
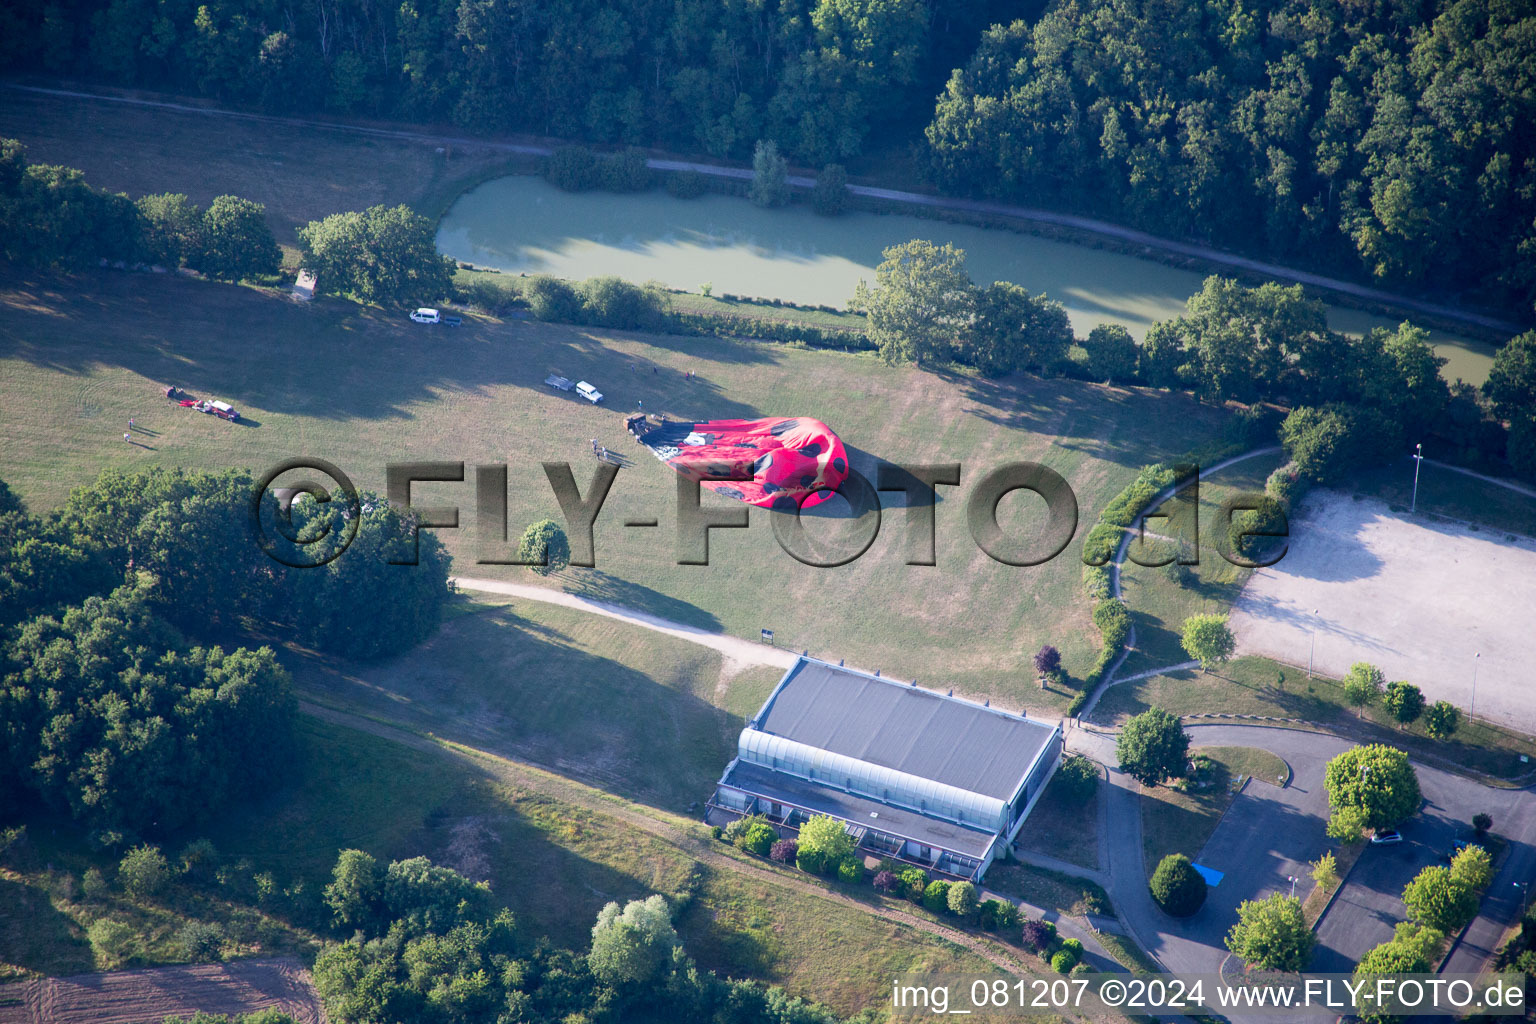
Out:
{"x": 1385, "y": 139}
{"x": 818, "y": 75}
{"x": 118, "y": 704}
{"x": 1393, "y": 136}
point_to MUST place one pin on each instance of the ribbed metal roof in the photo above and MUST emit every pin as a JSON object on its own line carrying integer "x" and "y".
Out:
{"x": 905, "y": 728}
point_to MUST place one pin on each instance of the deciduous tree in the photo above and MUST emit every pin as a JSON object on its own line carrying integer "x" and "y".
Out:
{"x": 1208, "y": 639}
{"x": 1152, "y": 747}
{"x": 922, "y": 304}
{"x": 1272, "y": 934}
{"x": 1377, "y": 781}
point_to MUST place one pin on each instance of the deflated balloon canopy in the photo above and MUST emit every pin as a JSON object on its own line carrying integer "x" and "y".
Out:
{"x": 783, "y": 463}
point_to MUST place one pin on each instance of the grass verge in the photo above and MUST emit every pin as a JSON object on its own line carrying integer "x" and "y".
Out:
{"x": 1065, "y": 828}
{"x": 1259, "y": 686}
{"x": 1180, "y": 821}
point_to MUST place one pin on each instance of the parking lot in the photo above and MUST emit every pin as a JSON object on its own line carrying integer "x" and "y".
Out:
{"x": 1370, "y": 905}
{"x": 1441, "y": 606}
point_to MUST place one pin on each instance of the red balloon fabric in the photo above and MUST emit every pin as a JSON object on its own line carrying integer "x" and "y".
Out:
{"x": 793, "y": 461}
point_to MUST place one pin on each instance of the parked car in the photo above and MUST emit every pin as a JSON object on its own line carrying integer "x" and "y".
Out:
{"x": 1457, "y": 845}
{"x": 588, "y": 392}
{"x": 426, "y": 316}
{"x": 452, "y": 320}
{"x": 1385, "y": 836}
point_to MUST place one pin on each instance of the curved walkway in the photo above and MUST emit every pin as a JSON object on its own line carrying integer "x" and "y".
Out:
{"x": 736, "y": 652}
{"x": 1125, "y": 543}
{"x": 1508, "y": 485}
{"x": 1087, "y": 225}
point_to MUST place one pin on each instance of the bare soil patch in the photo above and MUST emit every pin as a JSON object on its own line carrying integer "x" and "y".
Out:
{"x": 133, "y": 997}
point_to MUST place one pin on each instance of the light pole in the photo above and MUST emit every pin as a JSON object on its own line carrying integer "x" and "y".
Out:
{"x": 1292, "y": 880}
{"x": 1477, "y": 659}
{"x": 1311, "y": 651}
{"x": 1525, "y": 892}
{"x": 1418, "y": 460}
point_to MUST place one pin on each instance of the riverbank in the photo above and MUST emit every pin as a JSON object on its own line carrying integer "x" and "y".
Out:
{"x": 1045, "y": 223}
{"x": 523, "y": 224}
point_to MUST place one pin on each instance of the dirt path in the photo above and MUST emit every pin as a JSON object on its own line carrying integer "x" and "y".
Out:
{"x": 1088, "y": 225}
{"x": 734, "y": 651}
{"x": 541, "y": 781}
{"x": 135, "y": 997}
{"x": 1496, "y": 481}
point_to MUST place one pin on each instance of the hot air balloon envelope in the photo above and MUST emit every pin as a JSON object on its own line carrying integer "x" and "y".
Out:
{"x": 787, "y": 462}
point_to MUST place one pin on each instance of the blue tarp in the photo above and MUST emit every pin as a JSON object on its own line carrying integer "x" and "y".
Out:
{"x": 1211, "y": 875}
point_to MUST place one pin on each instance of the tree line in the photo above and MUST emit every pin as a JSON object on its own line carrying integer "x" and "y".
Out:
{"x": 51, "y": 216}
{"x": 429, "y": 945}
{"x": 1352, "y": 401}
{"x": 121, "y": 704}
{"x": 820, "y": 76}
{"x": 1391, "y": 140}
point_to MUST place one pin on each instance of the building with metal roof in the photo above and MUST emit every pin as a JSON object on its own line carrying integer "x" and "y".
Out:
{"x": 914, "y": 775}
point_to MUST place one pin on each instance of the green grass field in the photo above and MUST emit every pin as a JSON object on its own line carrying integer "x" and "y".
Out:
{"x": 1161, "y": 598}
{"x": 1258, "y": 686}
{"x": 642, "y": 715}
{"x": 81, "y": 355}
{"x": 1063, "y": 828}
{"x": 1180, "y": 822}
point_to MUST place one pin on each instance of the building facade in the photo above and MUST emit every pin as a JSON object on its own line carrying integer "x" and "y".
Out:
{"x": 915, "y": 775}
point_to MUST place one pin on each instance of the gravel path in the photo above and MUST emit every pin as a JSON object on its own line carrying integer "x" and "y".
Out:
{"x": 738, "y": 653}
{"x": 1087, "y": 225}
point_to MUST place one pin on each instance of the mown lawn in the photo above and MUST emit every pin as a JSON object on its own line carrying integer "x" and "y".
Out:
{"x": 1259, "y": 686}
{"x": 1063, "y": 827}
{"x": 1049, "y": 889}
{"x": 1180, "y": 822}
{"x": 640, "y": 714}
{"x": 1161, "y": 598}
{"x": 81, "y": 355}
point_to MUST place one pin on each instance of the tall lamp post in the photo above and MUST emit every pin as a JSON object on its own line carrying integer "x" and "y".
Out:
{"x": 1418, "y": 460}
{"x": 1477, "y": 659}
{"x": 1311, "y": 651}
{"x": 1525, "y": 892}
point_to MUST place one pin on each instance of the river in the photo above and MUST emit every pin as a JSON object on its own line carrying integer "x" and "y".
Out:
{"x": 522, "y": 224}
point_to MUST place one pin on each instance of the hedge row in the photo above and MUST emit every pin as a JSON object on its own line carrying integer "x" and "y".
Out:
{"x": 1103, "y": 540}
{"x": 770, "y": 330}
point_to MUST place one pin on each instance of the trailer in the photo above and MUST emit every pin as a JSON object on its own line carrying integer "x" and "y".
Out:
{"x": 554, "y": 380}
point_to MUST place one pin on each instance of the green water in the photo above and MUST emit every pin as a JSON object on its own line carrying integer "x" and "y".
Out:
{"x": 522, "y": 224}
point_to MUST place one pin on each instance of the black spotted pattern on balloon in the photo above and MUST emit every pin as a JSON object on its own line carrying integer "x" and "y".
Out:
{"x": 840, "y": 464}
{"x": 780, "y": 429}
{"x": 811, "y": 450}
{"x": 729, "y": 492}
{"x": 784, "y": 503}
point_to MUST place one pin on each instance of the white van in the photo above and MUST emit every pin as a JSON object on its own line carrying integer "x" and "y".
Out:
{"x": 426, "y": 316}
{"x": 588, "y": 392}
